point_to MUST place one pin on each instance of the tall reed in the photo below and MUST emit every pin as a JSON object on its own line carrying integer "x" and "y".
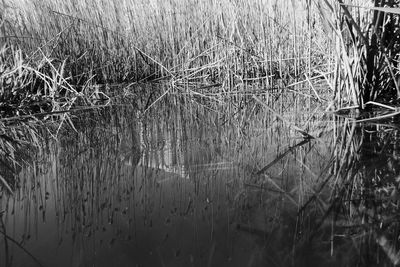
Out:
{"x": 226, "y": 42}
{"x": 367, "y": 48}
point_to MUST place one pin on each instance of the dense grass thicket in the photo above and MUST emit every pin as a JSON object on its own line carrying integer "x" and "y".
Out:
{"x": 229, "y": 44}
{"x": 214, "y": 42}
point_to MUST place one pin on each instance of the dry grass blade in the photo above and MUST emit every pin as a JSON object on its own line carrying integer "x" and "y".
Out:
{"x": 6, "y": 185}
{"x": 381, "y": 117}
{"x": 392, "y": 10}
{"x": 353, "y": 22}
{"x": 380, "y": 105}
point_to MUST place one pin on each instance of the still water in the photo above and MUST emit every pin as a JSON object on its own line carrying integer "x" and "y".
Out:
{"x": 193, "y": 185}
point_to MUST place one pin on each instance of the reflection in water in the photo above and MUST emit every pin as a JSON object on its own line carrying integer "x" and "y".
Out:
{"x": 365, "y": 205}
{"x": 194, "y": 187}
{"x": 17, "y": 144}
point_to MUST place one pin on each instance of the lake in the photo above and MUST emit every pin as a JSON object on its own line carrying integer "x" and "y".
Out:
{"x": 198, "y": 181}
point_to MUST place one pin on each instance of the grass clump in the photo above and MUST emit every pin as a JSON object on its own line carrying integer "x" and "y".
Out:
{"x": 31, "y": 86}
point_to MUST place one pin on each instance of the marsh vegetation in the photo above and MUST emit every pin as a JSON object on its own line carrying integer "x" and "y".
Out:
{"x": 199, "y": 133}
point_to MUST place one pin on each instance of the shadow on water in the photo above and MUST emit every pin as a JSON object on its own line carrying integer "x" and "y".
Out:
{"x": 186, "y": 185}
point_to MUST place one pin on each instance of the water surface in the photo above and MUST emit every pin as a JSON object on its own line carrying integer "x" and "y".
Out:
{"x": 193, "y": 185}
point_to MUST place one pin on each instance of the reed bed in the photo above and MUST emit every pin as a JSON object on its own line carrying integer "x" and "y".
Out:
{"x": 223, "y": 46}
{"x": 228, "y": 43}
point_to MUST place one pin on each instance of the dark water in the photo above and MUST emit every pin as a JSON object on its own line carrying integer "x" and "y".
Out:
{"x": 191, "y": 185}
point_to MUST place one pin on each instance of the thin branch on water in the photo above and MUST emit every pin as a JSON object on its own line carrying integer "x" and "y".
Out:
{"x": 380, "y": 105}
{"x": 282, "y": 155}
{"x": 303, "y": 132}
